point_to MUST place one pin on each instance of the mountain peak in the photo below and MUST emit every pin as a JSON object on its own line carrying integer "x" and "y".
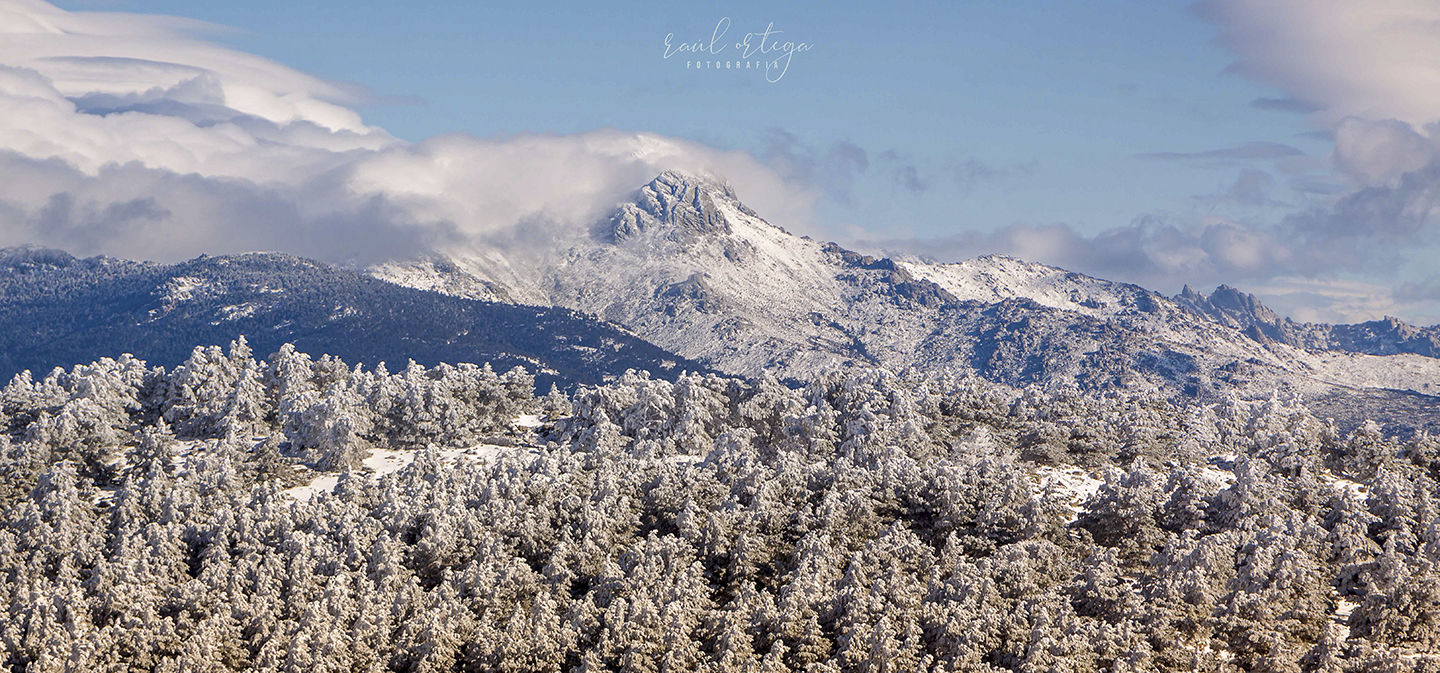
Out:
{"x": 675, "y": 201}
{"x": 680, "y": 180}
{"x": 1235, "y": 308}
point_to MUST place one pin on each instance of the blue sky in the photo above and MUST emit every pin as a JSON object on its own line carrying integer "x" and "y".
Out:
{"x": 1284, "y": 147}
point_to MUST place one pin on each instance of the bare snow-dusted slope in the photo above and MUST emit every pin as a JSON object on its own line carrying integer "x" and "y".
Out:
{"x": 994, "y": 278}
{"x": 694, "y": 270}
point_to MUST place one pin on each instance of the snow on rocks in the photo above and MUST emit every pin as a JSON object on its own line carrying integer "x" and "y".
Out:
{"x": 185, "y": 288}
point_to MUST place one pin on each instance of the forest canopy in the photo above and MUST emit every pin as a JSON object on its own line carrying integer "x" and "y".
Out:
{"x": 171, "y": 520}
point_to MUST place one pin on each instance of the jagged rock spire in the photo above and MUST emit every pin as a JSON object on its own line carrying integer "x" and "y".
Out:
{"x": 680, "y": 202}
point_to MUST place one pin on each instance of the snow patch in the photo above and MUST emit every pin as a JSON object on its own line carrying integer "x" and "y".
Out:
{"x": 994, "y": 278}
{"x": 1343, "y": 607}
{"x": 386, "y": 461}
{"x": 185, "y": 288}
{"x": 1222, "y": 478}
{"x": 237, "y": 311}
{"x": 381, "y": 462}
{"x": 324, "y": 483}
{"x": 1353, "y": 489}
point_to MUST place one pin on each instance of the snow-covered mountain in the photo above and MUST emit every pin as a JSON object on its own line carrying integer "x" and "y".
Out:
{"x": 691, "y": 268}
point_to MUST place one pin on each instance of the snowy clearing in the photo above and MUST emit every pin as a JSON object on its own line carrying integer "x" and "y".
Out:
{"x": 1072, "y": 480}
{"x": 381, "y": 462}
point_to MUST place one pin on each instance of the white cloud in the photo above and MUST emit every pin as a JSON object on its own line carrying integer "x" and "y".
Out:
{"x": 1151, "y": 251}
{"x": 566, "y": 179}
{"x": 1380, "y": 152}
{"x": 1341, "y": 300}
{"x": 114, "y": 53}
{"x": 1372, "y": 60}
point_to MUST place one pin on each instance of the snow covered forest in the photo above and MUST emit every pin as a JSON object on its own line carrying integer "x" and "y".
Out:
{"x": 181, "y": 521}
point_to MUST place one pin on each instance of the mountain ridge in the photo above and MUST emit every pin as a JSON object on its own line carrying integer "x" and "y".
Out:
{"x": 58, "y": 310}
{"x": 1387, "y": 336}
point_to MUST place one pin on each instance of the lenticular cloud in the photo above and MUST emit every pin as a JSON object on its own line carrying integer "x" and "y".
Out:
{"x": 127, "y": 135}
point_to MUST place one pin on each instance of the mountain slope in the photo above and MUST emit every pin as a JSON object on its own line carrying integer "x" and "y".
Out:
{"x": 689, "y": 266}
{"x": 57, "y": 310}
